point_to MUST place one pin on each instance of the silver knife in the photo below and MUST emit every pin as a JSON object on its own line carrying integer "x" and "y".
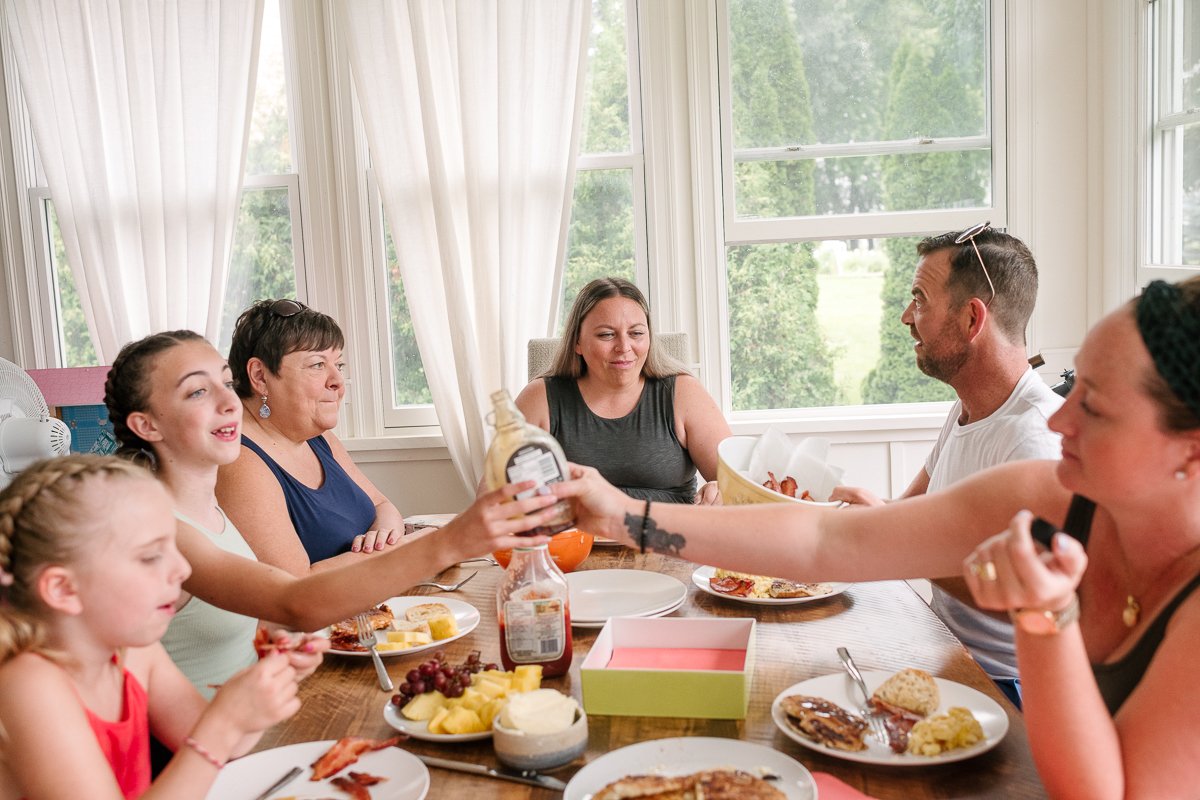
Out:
{"x": 526, "y": 776}
{"x": 282, "y": 782}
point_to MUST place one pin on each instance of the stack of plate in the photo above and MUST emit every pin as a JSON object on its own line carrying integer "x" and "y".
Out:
{"x": 599, "y": 594}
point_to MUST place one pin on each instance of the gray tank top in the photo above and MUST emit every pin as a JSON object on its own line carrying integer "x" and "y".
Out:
{"x": 638, "y": 453}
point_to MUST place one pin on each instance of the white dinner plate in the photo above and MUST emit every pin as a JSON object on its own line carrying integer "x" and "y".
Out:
{"x": 691, "y": 754}
{"x": 839, "y": 689}
{"x": 247, "y": 777}
{"x": 597, "y": 594}
{"x": 603, "y": 541}
{"x": 600, "y": 623}
{"x": 420, "y": 730}
{"x": 702, "y": 574}
{"x": 465, "y": 614}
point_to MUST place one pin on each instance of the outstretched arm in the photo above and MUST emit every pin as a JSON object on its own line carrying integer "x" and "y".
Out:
{"x": 928, "y": 535}
{"x": 260, "y": 590}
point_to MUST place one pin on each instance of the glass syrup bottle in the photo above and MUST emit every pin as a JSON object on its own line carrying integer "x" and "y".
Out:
{"x": 534, "y": 611}
{"x": 522, "y": 452}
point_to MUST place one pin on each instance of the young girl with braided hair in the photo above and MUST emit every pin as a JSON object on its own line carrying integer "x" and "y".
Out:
{"x": 170, "y": 397}
{"x": 89, "y": 576}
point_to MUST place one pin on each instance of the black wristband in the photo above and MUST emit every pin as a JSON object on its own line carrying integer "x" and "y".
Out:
{"x": 645, "y": 522}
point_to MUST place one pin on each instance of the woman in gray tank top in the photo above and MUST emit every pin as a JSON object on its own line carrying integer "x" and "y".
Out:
{"x": 615, "y": 401}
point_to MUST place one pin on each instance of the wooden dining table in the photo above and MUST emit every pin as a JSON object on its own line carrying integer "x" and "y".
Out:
{"x": 885, "y": 625}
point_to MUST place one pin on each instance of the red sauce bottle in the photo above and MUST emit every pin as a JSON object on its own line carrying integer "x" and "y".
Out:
{"x": 533, "y": 608}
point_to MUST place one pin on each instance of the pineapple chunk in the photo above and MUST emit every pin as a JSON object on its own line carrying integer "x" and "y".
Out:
{"x": 489, "y": 689}
{"x": 409, "y": 638}
{"x": 527, "y": 677}
{"x": 473, "y": 699}
{"x": 443, "y": 627}
{"x": 424, "y": 706}
{"x": 463, "y": 720}
{"x": 387, "y": 647}
{"x": 435, "y": 724}
{"x": 489, "y": 711}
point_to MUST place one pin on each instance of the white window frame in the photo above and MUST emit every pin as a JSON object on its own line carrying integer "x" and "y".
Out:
{"x": 851, "y": 226}
{"x": 1162, "y": 106}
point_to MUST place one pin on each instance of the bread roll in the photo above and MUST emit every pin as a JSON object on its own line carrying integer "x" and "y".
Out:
{"x": 427, "y": 611}
{"x": 913, "y": 689}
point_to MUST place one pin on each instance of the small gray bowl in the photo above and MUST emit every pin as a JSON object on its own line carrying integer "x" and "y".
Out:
{"x": 521, "y": 750}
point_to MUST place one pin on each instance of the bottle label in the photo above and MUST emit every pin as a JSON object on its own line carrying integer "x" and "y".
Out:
{"x": 532, "y": 462}
{"x": 534, "y": 630}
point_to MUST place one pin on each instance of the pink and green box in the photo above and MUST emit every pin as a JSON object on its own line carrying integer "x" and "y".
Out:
{"x": 670, "y": 667}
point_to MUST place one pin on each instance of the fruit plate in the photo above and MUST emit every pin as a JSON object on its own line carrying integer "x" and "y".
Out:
{"x": 246, "y": 777}
{"x": 465, "y": 614}
{"x": 837, "y": 688}
{"x": 420, "y": 730}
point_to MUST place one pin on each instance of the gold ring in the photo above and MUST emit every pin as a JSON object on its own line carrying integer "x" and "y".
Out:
{"x": 985, "y": 570}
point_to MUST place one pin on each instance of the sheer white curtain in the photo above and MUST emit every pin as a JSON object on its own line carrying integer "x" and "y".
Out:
{"x": 140, "y": 111}
{"x": 472, "y": 112}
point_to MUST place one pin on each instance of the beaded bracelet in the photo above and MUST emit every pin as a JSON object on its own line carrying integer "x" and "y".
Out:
{"x": 203, "y": 752}
{"x": 645, "y": 523}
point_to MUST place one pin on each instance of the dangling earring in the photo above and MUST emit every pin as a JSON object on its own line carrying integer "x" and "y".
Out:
{"x": 264, "y": 410}
{"x": 1181, "y": 475}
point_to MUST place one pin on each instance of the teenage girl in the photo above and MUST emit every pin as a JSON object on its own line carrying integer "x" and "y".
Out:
{"x": 89, "y": 577}
{"x": 170, "y": 395}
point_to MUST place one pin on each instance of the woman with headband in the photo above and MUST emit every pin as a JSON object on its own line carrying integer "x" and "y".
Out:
{"x": 1107, "y": 615}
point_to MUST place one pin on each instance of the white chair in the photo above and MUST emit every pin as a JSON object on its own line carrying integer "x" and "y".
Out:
{"x": 543, "y": 351}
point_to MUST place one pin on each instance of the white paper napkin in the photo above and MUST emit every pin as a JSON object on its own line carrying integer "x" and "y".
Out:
{"x": 806, "y": 460}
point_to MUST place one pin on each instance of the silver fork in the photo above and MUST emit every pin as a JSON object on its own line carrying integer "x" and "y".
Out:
{"x": 366, "y": 637}
{"x": 447, "y": 587}
{"x": 874, "y": 718}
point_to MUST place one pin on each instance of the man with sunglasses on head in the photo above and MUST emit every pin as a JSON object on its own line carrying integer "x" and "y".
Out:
{"x": 973, "y": 293}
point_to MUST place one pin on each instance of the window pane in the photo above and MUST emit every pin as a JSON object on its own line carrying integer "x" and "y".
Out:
{"x": 606, "y": 115}
{"x": 77, "y": 349}
{"x": 410, "y": 386}
{"x": 814, "y": 72}
{"x": 270, "y": 149}
{"x": 818, "y": 324}
{"x": 1190, "y": 216}
{"x": 600, "y": 241}
{"x": 1189, "y": 69}
{"x": 263, "y": 264}
{"x": 862, "y": 185}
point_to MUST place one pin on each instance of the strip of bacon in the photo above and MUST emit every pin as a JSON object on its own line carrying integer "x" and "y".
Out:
{"x": 345, "y": 752}
{"x": 356, "y": 791}
{"x": 365, "y": 778}
{"x": 738, "y": 587}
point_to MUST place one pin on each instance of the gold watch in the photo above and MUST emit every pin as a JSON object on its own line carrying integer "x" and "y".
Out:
{"x": 1042, "y": 622}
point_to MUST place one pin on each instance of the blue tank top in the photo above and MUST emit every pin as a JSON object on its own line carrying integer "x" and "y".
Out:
{"x": 327, "y": 518}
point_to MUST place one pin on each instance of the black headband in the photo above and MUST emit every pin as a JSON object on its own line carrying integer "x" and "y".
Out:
{"x": 1171, "y": 331}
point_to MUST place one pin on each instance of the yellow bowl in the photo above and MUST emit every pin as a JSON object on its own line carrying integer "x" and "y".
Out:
{"x": 568, "y": 549}
{"x": 733, "y": 455}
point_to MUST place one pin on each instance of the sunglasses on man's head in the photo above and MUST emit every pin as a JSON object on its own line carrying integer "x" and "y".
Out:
{"x": 969, "y": 236}
{"x": 287, "y": 308}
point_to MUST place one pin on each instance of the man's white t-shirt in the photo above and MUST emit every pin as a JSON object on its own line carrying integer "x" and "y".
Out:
{"x": 1016, "y": 431}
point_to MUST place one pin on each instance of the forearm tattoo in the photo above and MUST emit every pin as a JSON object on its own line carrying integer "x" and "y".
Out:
{"x": 649, "y": 536}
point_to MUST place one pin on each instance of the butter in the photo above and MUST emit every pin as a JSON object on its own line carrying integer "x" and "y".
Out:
{"x": 539, "y": 712}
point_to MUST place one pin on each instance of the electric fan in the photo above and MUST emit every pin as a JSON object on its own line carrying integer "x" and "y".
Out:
{"x": 27, "y": 431}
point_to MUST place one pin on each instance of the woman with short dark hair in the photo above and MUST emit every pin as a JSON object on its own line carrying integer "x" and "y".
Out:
{"x": 294, "y": 491}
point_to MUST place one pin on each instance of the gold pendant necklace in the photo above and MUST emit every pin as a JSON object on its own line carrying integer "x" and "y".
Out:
{"x": 1132, "y": 611}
